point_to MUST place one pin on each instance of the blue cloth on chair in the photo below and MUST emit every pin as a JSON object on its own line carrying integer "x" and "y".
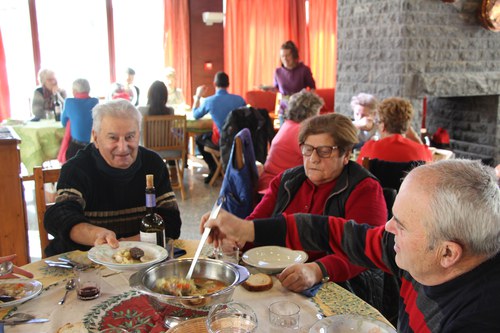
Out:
{"x": 239, "y": 186}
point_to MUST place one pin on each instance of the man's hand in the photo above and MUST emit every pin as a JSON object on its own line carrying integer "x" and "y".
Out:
{"x": 106, "y": 236}
{"x": 299, "y": 277}
{"x": 228, "y": 226}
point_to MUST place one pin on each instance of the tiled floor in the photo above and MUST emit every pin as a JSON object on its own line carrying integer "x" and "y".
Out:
{"x": 199, "y": 200}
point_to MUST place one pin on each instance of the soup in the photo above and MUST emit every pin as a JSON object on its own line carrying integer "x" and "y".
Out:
{"x": 176, "y": 286}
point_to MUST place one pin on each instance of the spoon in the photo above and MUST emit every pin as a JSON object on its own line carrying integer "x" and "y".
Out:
{"x": 70, "y": 285}
{"x": 6, "y": 267}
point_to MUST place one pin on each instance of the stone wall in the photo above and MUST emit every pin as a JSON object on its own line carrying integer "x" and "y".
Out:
{"x": 412, "y": 49}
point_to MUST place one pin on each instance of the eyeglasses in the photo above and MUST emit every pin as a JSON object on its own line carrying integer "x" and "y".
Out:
{"x": 322, "y": 151}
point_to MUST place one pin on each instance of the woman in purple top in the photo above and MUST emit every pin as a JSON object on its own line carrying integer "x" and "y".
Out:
{"x": 292, "y": 76}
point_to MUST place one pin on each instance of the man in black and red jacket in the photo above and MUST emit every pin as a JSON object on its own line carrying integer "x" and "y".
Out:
{"x": 442, "y": 242}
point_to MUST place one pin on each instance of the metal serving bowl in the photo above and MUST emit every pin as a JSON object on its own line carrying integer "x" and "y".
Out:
{"x": 232, "y": 275}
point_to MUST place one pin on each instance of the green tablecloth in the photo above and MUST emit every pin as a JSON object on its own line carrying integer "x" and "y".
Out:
{"x": 40, "y": 141}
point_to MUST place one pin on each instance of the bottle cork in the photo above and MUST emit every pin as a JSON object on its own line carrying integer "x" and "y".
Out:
{"x": 149, "y": 181}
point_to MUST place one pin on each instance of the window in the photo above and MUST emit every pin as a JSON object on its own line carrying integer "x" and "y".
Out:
{"x": 74, "y": 42}
{"x": 16, "y": 35}
{"x": 139, "y": 41}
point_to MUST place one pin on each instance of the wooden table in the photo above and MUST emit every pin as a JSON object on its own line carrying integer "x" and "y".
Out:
{"x": 331, "y": 299}
{"x": 195, "y": 127}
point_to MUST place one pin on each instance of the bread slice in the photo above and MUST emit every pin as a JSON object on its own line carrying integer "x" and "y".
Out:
{"x": 258, "y": 282}
{"x": 72, "y": 328}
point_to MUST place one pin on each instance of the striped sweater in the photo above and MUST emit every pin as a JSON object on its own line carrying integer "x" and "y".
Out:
{"x": 89, "y": 190}
{"x": 468, "y": 303}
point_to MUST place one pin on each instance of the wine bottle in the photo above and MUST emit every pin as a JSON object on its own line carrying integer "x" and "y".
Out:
{"x": 152, "y": 228}
{"x": 57, "y": 108}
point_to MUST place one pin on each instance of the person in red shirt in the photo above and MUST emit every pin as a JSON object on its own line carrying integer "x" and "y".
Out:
{"x": 398, "y": 142}
{"x": 327, "y": 183}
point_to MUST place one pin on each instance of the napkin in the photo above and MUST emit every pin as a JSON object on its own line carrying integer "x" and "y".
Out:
{"x": 311, "y": 292}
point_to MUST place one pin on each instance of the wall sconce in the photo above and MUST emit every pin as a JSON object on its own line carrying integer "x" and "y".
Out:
{"x": 210, "y": 18}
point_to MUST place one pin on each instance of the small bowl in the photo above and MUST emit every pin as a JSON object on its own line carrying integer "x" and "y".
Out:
{"x": 273, "y": 259}
{"x": 231, "y": 317}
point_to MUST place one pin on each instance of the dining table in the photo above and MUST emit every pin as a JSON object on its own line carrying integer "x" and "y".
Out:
{"x": 194, "y": 127}
{"x": 40, "y": 140}
{"x": 119, "y": 305}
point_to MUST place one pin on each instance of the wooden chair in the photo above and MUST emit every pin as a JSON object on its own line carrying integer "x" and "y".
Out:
{"x": 167, "y": 136}
{"x": 42, "y": 177}
{"x": 218, "y": 171}
{"x": 390, "y": 174}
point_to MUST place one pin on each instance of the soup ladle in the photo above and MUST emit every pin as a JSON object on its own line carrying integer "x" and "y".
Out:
{"x": 6, "y": 268}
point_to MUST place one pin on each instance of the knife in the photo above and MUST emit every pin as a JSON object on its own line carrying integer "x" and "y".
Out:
{"x": 58, "y": 264}
{"x": 32, "y": 321}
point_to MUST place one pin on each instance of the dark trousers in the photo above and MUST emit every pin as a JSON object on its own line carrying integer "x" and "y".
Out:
{"x": 203, "y": 140}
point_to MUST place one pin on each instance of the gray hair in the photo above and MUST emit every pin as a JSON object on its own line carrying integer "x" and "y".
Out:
{"x": 81, "y": 86}
{"x": 118, "y": 108}
{"x": 43, "y": 74}
{"x": 465, "y": 205}
{"x": 303, "y": 105}
{"x": 368, "y": 101}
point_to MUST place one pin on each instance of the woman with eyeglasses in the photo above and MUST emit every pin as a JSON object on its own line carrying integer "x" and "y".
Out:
{"x": 285, "y": 152}
{"x": 328, "y": 183}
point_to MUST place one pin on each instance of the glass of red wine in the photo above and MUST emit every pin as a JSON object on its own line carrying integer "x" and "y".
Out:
{"x": 88, "y": 282}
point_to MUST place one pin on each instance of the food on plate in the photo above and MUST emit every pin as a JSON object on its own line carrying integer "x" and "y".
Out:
{"x": 77, "y": 327}
{"x": 258, "y": 282}
{"x": 177, "y": 286}
{"x": 129, "y": 255}
{"x": 136, "y": 253}
{"x": 12, "y": 291}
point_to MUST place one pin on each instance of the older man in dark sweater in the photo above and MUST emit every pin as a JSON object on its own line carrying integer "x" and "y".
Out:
{"x": 100, "y": 193}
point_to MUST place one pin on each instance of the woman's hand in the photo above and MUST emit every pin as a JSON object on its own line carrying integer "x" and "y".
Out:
{"x": 299, "y": 277}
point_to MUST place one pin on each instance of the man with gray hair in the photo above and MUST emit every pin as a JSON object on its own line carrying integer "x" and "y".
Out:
{"x": 443, "y": 243}
{"x": 78, "y": 113}
{"x": 100, "y": 192}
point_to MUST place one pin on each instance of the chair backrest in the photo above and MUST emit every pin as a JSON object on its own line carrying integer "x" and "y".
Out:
{"x": 260, "y": 99}
{"x": 390, "y": 174}
{"x": 164, "y": 133}
{"x": 42, "y": 177}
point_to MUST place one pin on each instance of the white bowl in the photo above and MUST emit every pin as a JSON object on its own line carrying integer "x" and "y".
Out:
{"x": 349, "y": 324}
{"x": 273, "y": 259}
{"x": 103, "y": 255}
{"x": 31, "y": 289}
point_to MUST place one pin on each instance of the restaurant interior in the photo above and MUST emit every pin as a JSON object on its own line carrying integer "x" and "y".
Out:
{"x": 441, "y": 55}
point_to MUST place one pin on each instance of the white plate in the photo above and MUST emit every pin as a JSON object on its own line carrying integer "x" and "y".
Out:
{"x": 31, "y": 287}
{"x": 103, "y": 255}
{"x": 273, "y": 259}
{"x": 350, "y": 323}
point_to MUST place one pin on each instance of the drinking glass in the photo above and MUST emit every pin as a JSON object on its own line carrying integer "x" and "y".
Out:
{"x": 284, "y": 315}
{"x": 88, "y": 283}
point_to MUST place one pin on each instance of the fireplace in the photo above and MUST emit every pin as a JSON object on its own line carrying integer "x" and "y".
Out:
{"x": 429, "y": 49}
{"x": 472, "y": 122}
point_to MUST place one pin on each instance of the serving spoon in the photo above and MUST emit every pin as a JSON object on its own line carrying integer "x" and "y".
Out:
{"x": 6, "y": 268}
{"x": 204, "y": 236}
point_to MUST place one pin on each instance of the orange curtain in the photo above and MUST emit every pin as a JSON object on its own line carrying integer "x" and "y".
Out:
{"x": 322, "y": 41}
{"x": 176, "y": 42}
{"x": 4, "y": 85}
{"x": 253, "y": 33}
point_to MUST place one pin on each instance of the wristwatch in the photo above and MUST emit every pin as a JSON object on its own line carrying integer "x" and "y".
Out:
{"x": 326, "y": 277}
